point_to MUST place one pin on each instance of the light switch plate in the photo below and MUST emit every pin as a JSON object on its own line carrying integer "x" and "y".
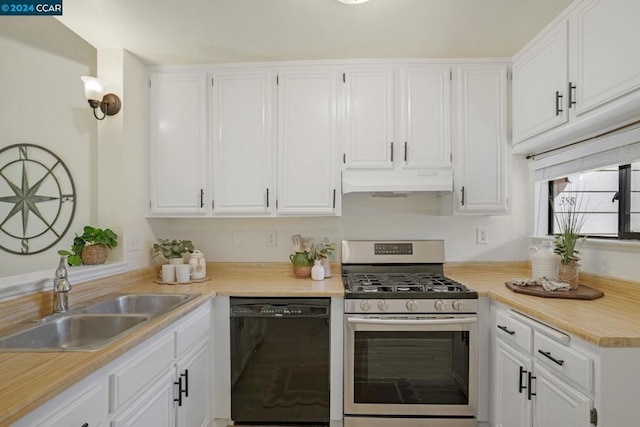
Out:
{"x": 482, "y": 235}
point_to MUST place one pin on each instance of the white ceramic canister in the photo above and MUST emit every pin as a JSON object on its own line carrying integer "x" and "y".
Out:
{"x": 198, "y": 265}
{"x": 544, "y": 263}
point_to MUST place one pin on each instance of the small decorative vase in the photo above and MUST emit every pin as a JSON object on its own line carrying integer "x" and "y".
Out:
{"x": 568, "y": 273}
{"x": 327, "y": 267}
{"x": 301, "y": 265}
{"x": 317, "y": 271}
{"x": 176, "y": 261}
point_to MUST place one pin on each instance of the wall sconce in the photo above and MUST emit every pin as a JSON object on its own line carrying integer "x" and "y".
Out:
{"x": 95, "y": 93}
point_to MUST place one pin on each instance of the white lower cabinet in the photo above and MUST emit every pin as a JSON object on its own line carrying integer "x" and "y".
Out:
{"x": 162, "y": 382}
{"x": 541, "y": 380}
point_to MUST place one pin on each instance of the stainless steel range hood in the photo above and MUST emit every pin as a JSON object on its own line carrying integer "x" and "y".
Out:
{"x": 397, "y": 181}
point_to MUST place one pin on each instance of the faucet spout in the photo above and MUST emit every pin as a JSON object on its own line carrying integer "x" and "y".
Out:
{"x": 61, "y": 288}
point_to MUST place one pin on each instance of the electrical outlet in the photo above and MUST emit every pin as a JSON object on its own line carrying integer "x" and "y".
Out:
{"x": 271, "y": 238}
{"x": 236, "y": 237}
{"x": 482, "y": 235}
{"x": 133, "y": 242}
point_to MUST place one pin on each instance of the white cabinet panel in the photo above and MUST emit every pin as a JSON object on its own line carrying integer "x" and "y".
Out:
{"x": 154, "y": 408}
{"x": 178, "y": 159}
{"x": 482, "y": 148}
{"x": 195, "y": 408}
{"x": 425, "y": 117}
{"x": 243, "y": 142}
{"x": 513, "y": 408}
{"x": 307, "y": 143}
{"x": 557, "y": 404}
{"x": 540, "y": 84}
{"x": 608, "y": 59}
{"x": 369, "y": 118}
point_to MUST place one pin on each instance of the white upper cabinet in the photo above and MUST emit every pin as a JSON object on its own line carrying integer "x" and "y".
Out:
{"x": 481, "y": 184}
{"x": 607, "y": 62}
{"x": 425, "y": 117}
{"x": 243, "y": 142}
{"x": 579, "y": 78}
{"x": 308, "y": 173}
{"x": 397, "y": 117}
{"x": 370, "y": 118}
{"x": 178, "y": 155}
{"x": 540, "y": 85}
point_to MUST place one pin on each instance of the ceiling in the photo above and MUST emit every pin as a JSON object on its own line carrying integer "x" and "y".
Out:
{"x": 215, "y": 31}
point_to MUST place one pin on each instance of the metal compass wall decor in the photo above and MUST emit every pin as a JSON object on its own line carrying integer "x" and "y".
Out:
{"x": 37, "y": 199}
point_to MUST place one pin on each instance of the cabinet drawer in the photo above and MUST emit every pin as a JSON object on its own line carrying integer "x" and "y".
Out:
{"x": 132, "y": 378}
{"x": 192, "y": 330}
{"x": 514, "y": 331}
{"x": 564, "y": 361}
{"x": 88, "y": 407}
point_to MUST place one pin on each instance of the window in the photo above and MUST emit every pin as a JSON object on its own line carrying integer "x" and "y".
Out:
{"x": 606, "y": 200}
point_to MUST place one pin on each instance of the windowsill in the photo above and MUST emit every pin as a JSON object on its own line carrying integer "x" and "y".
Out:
{"x": 12, "y": 286}
{"x": 594, "y": 242}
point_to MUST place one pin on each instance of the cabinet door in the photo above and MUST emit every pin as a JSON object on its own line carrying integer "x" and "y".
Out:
{"x": 512, "y": 406}
{"x": 425, "y": 117}
{"x": 308, "y": 174}
{"x": 243, "y": 143}
{"x": 194, "y": 371}
{"x": 540, "y": 83}
{"x": 608, "y": 59}
{"x": 481, "y": 165}
{"x": 154, "y": 407}
{"x": 177, "y": 143}
{"x": 369, "y": 118}
{"x": 558, "y": 404}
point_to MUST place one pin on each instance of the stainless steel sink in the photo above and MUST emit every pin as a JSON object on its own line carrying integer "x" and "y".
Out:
{"x": 141, "y": 304}
{"x": 79, "y": 332}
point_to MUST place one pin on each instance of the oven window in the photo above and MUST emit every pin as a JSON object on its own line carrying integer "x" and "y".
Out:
{"x": 427, "y": 368}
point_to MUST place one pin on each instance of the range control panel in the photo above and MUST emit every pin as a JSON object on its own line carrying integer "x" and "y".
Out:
{"x": 393, "y": 248}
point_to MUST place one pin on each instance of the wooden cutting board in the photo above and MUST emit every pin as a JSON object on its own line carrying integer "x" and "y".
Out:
{"x": 581, "y": 292}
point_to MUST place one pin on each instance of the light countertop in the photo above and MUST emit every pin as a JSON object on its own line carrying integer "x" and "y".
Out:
{"x": 27, "y": 380}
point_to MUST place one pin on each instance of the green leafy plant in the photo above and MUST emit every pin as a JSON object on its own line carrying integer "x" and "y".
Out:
{"x": 569, "y": 218}
{"x": 172, "y": 248}
{"x": 90, "y": 236}
{"x": 324, "y": 249}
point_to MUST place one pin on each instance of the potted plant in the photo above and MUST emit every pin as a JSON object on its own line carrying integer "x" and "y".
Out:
{"x": 303, "y": 257}
{"x": 92, "y": 247}
{"x": 173, "y": 250}
{"x": 324, "y": 252}
{"x": 569, "y": 220}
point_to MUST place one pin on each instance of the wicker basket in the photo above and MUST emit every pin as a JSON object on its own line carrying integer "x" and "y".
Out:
{"x": 94, "y": 254}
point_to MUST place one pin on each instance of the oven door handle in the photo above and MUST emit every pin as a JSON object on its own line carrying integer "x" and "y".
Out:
{"x": 378, "y": 321}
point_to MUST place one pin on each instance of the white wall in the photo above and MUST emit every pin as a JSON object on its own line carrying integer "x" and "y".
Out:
{"x": 43, "y": 103}
{"x": 364, "y": 217}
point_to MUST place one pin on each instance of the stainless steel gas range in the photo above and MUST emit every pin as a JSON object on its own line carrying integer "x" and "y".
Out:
{"x": 411, "y": 337}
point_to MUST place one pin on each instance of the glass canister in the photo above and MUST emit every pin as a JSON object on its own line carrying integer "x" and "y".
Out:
{"x": 544, "y": 262}
{"x": 198, "y": 265}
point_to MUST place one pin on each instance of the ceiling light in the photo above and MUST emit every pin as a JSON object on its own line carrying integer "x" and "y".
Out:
{"x": 94, "y": 91}
{"x": 353, "y": 1}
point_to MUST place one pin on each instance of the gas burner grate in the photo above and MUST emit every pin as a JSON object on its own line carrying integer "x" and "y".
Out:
{"x": 402, "y": 282}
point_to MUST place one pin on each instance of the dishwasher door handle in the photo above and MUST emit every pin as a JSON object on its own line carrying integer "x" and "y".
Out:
{"x": 379, "y": 321}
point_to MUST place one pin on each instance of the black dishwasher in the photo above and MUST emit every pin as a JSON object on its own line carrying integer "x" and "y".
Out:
{"x": 280, "y": 361}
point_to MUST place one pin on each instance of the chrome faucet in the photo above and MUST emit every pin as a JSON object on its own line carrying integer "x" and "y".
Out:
{"x": 61, "y": 288}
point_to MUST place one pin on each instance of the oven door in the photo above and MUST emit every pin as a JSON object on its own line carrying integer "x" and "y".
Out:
{"x": 420, "y": 365}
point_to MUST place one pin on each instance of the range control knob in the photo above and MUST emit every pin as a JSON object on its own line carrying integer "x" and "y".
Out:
{"x": 383, "y": 306}
{"x": 364, "y": 305}
{"x": 412, "y": 305}
{"x": 458, "y": 305}
{"x": 440, "y": 305}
